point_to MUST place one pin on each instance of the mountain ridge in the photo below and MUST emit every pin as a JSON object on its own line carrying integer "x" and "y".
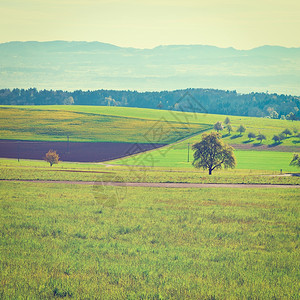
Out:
{"x": 137, "y": 48}
{"x": 71, "y": 65}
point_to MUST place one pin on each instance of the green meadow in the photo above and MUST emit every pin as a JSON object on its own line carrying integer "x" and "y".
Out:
{"x": 177, "y": 157}
{"x": 38, "y": 124}
{"x": 120, "y": 124}
{"x": 88, "y": 241}
{"x": 11, "y": 169}
{"x": 63, "y": 241}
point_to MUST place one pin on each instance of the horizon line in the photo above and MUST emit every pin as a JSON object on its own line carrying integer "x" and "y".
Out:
{"x": 147, "y": 48}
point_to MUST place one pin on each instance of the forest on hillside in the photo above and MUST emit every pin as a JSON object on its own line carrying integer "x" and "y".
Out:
{"x": 197, "y": 100}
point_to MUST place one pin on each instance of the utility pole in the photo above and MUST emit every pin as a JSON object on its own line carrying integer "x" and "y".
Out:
{"x": 68, "y": 144}
{"x": 18, "y": 149}
{"x": 188, "y": 160}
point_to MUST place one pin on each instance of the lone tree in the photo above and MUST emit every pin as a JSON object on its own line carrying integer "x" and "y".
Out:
{"x": 52, "y": 157}
{"x": 229, "y": 128}
{"x": 261, "y": 137}
{"x": 241, "y": 129}
{"x": 287, "y": 132}
{"x": 227, "y": 121}
{"x": 251, "y": 135}
{"x": 296, "y": 160}
{"x": 218, "y": 126}
{"x": 212, "y": 153}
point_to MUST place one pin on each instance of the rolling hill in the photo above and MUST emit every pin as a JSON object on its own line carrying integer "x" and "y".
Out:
{"x": 123, "y": 124}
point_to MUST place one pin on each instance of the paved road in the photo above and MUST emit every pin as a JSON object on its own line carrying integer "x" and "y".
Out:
{"x": 166, "y": 185}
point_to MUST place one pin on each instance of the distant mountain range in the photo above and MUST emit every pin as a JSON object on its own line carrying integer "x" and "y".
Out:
{"x": 94, "y": 65}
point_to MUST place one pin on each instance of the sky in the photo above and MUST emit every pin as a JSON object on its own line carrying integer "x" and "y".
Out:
{"x": 242, "y": 24}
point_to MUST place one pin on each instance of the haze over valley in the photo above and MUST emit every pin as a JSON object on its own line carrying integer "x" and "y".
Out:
{"x": 95, "y": 65}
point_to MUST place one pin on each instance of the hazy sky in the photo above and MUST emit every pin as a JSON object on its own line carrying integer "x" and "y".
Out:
{"x": 242, "y": 24}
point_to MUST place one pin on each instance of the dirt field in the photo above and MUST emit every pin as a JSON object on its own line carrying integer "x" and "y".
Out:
{"x": 81, "y": 152}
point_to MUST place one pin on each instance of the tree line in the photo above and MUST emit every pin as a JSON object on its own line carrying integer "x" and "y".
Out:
{"x": 277, "y": 138}
{"x": 207, "y": 100}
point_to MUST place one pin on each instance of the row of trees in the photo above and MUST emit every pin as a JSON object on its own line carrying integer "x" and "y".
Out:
{"x": 277, "y": 138}
{"x": 260, "y": 137}
{"x": 290, "y": 116}
{"x": 219, "y": 126}
{"x": 213, "y": 101}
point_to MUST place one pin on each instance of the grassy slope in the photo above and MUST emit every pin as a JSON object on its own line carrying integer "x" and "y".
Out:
{"x": 155, "y": 244}
{"x": 265, "y": 126}
{"x": 38, "y": 123}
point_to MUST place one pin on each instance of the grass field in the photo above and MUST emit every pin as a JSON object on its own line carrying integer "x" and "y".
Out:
{"x": 11, "y": 169}
{"x": 98, "y": 123}
{"x": 177, "y": 156}
{"x": 59, "y": 241}
{"x": 88, "y": 241}
{"x": 55, "y": 125}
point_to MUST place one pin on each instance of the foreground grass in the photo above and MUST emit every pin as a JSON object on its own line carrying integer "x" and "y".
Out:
{"x": 76, "y": 241}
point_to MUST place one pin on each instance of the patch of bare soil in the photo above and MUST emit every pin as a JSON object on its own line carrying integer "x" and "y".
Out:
{"x": 73, "y": 151}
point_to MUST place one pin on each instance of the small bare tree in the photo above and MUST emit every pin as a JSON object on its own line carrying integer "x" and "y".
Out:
{"x": 52, "y": 157}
